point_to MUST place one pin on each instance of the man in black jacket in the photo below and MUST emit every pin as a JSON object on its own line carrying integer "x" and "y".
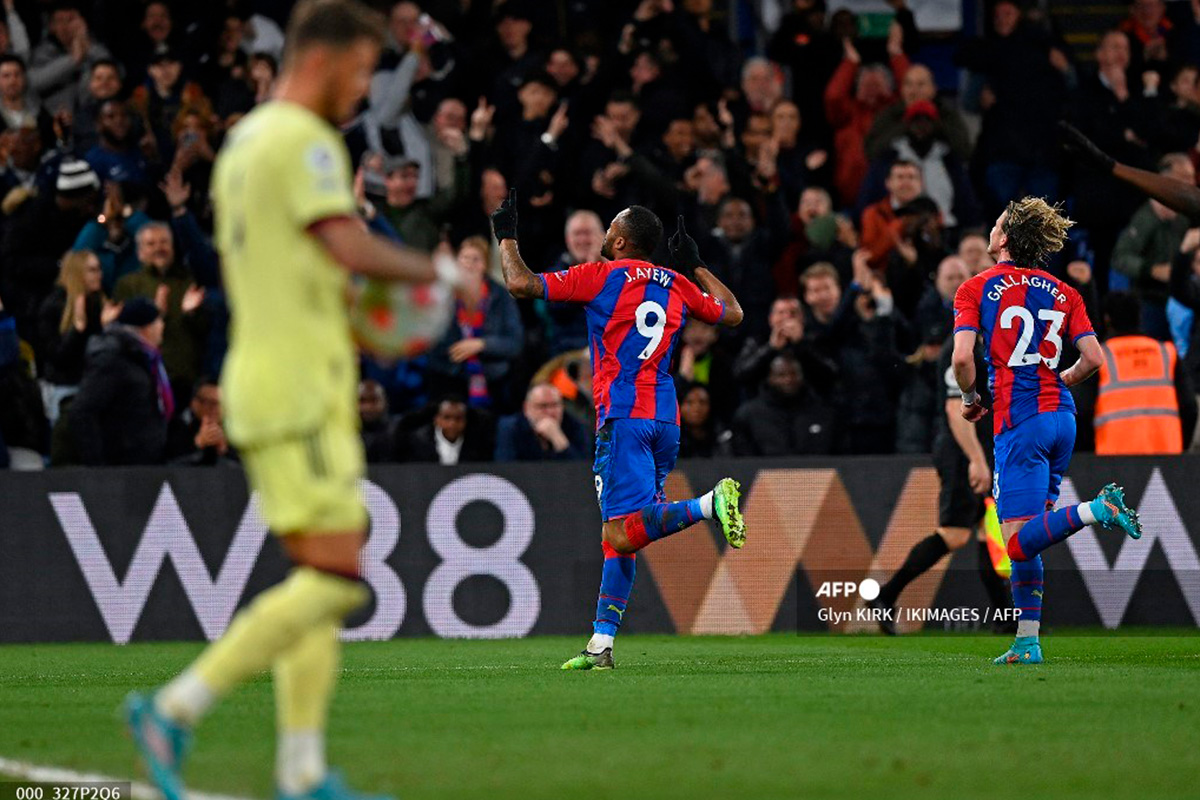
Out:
{"x": 786, "y": 419}
{"x": 456, "y": 435}
{"x": 120, "y": 414}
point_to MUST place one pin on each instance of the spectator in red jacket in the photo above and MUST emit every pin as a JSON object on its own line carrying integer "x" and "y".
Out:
{"x": 852, "y": 99}
{"x": 881, "y": 227}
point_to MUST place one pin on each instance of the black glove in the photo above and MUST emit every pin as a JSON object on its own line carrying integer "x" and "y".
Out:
{"x": 682, "y": 250}
{"x": 504, "y": 218}
{"x": 1084, "y": 149}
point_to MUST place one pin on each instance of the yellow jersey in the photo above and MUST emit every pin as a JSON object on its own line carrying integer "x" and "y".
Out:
{"x": 291, "y": 361}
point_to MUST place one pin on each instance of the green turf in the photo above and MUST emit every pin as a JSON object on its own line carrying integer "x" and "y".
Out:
{"x": 774, "y": 716}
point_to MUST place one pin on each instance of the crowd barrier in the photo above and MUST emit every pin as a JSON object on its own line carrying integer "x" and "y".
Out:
{"x": 513, "y": 550}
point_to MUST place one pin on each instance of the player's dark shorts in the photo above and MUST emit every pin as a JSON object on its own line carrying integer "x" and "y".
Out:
{"x": 633, "y": 459}
{"x": 958, "y": 505}
{"x": 1030, "y": 462}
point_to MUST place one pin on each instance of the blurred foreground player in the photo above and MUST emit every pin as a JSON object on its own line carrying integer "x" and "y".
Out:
{"x": 962, "y": 455}
{"x": 635, "y": 312}
{"x": 1022, "y": 313}
{"x": 288, "y": 237}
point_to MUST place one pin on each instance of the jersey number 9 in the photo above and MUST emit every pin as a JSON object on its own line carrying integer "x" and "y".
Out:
{"x": 651, "y": 330}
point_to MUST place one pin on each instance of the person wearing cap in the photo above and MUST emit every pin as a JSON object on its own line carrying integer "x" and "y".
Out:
{"x": 943, "y": 174}
{"x": 38, "y": 232}
{"x": 918, "y": 85}
{"x": 124, "y": 403}
{"x": 61, "y": 62}
{"x": 419, "y": 220}
{"x": 164, "y": 94}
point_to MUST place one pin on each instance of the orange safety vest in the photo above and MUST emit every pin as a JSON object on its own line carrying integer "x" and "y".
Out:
{"x": 1137, "y": 411}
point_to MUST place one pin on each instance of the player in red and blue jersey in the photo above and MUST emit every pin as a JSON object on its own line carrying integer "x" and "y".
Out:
{"x": 1023, "y": 314}
{"x": 635, "y": 312}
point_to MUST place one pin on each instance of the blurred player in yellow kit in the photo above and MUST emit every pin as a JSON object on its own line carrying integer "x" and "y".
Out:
{"x": 287, "y": 231}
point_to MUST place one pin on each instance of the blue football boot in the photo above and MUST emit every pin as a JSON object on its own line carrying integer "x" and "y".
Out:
{"x": 1024, "y": 650}
{"x": 160, "y": 742}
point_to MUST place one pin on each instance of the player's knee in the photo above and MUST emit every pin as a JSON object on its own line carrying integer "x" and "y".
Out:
{"x": 1014, "y": 549}
{"x": 955, "y": 537}
{"x": 615, "y": 537}
{"x": 333, "y": 553}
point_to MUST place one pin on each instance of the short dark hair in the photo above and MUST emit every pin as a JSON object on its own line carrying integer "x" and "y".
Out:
{"x": 1124, "y": 313}
{"x": 107, "y": 62}
{"x": 454, "y": 398}
{"x": 624, "y": 97}
{"x": 9, "y": 58}
{"x": 642, "y": 229}
{"x": 335, "y": 23}
{"x": 903, "y": 162}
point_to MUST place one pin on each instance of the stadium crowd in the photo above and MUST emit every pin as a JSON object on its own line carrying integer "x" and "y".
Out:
{"x": 831, "y": 183}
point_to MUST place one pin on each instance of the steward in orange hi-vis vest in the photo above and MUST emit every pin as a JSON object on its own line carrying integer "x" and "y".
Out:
{"x": 1137, "y": 411}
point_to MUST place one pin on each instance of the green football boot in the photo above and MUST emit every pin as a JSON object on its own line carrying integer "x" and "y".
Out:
{"x": 586, "y": 660}
{"x": 725, "y": 506}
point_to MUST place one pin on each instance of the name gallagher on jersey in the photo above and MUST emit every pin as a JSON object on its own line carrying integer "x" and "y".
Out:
{"x": 1036, "y": 281}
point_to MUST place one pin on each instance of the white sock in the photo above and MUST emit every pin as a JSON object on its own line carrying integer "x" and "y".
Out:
{"x": 706, "y": 505}
{"x": 599, "y": 642}
{"x": 1028, "y": 627}
{"x": 300, "y": 761}
{"x": 185, "y": 699}
{"x": 1086, "y": 515}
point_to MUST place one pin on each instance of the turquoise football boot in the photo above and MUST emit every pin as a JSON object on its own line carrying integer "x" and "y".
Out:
{"x": 160, "y": 742}
{"x": 1024, "y": 650}
{"x": 1111, "y": 511}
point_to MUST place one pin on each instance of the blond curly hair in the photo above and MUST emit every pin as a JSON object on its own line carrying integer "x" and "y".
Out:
{"x": 1035, "y": 230}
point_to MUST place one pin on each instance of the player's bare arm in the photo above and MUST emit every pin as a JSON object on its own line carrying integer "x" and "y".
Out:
{"x": 1090, "y": 358}
{"x": 363, "y": 253}
{"x": 520, "y": 280}
{"x": 963, "y": 363}
{"x": 709, "y": 283}
{"x": 1174, "y": 194}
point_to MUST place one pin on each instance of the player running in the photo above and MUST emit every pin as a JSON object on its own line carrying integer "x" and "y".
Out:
{"x": 288, "y": 235}
{"x": 635, "y": 312}
{"x": 1022, "y": 313}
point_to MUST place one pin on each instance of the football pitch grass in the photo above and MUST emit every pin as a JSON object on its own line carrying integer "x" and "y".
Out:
{"x": 923, "y": 716}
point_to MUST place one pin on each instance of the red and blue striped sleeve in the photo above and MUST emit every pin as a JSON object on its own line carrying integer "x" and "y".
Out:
{"x": 700, "y": 305}
{"x": 578, "y": 284}
{"x": 966, "y": 307}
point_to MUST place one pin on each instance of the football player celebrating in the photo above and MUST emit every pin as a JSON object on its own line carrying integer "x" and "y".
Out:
{"x": 1022, "y": 313}
{"x": 635, "y": 311}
